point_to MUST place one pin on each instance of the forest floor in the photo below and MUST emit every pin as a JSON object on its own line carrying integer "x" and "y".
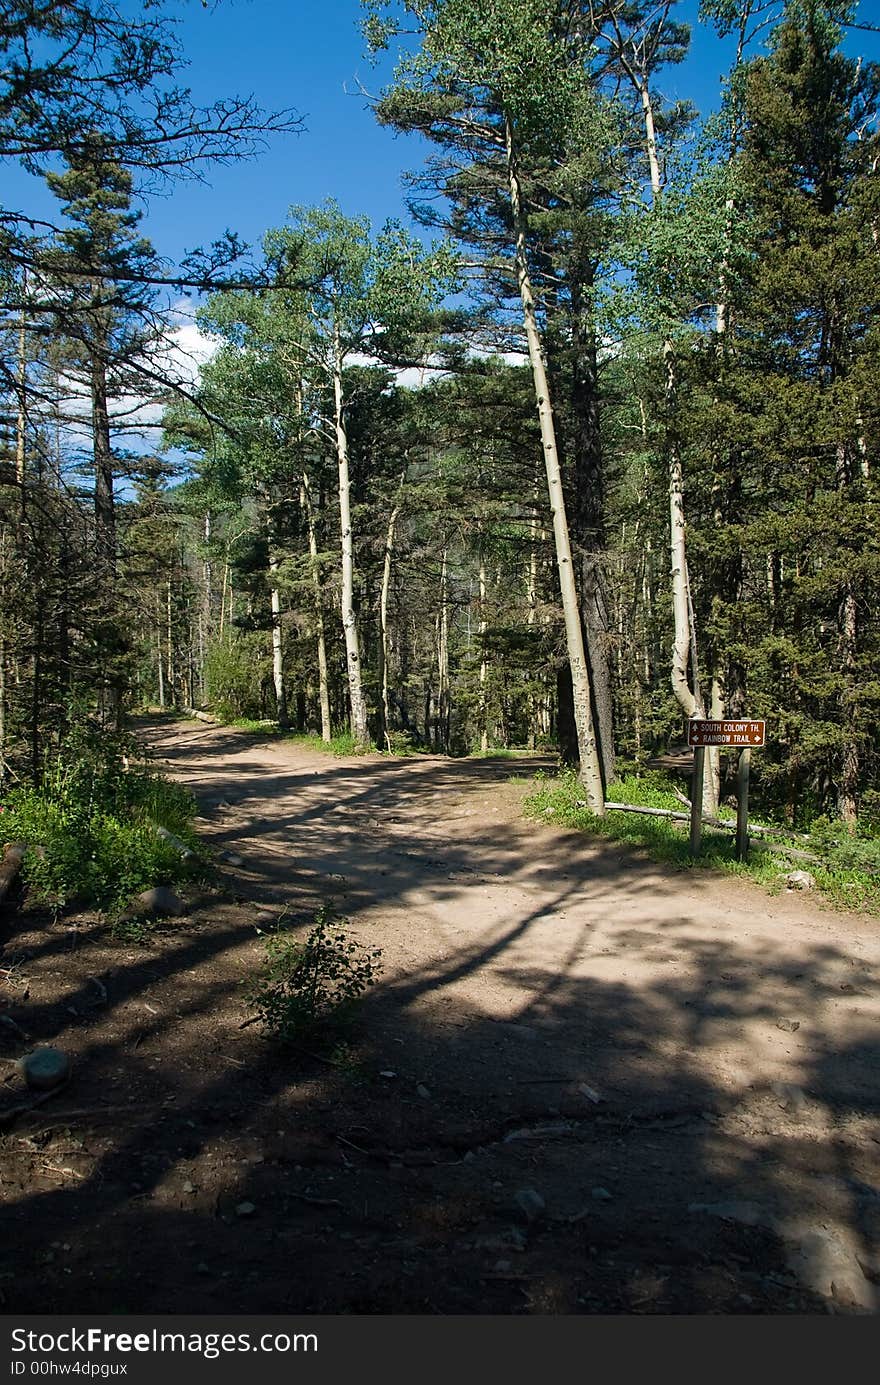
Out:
{"x": 585, "y": 1084}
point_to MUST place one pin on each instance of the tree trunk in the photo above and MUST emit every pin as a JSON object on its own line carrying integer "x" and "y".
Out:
{"x": 21, "y": 418}
{"x": 383, "y": 624}
{"x": 349, "y": 620}
{"x": 159, "y": 660}
{"x": 105, "y": 513}
{"x": 484, "y": 665}
{"x": 588, "y": 753}
{"x": 443, "y": 711}
{"x": 531, "y": 618}
{"x": 323, "y": 683}
{"x": 588, "y": 512}
{"x": 847, "y": 621}
{"x": 684, "y": 633}
{"x": 277, "y": 644}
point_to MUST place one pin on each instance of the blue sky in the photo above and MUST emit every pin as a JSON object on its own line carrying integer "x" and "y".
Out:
{"x": 311, "y": 56}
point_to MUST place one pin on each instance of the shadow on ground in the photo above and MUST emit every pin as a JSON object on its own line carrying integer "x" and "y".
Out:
{"x": 508, "y": 1130}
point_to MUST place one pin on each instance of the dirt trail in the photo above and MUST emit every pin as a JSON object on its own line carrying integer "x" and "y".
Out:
{"x": 729, "y": 1164}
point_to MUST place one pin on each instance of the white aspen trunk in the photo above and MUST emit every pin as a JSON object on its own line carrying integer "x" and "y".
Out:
{"x": 277, "y": 644}
{"x": 847, "y": 795}
{"x": 848, "y": 784}
{"x": 532, "y": 615}
{"x": 443, "y": 660}
{"x": 159, "y": 659}
{"x": 21, "y": 417}
{"x": 484, "y": 667}
{"x": 3, "y": 668}
{"x": 223, "y": 596}
{"x": 684, "y": 634}
{"x": 588, "y": 752}
{"x": 383, "y": 624}
{"x": 320, "y": 640}
{"x": 200, "y": 635}
{"x": 170, "y": 639}
{"x": 349, "y": 620}
{"x": 207, "y": 604}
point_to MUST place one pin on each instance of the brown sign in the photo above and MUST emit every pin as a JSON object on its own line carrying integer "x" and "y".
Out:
{"x": 742, "y": 733}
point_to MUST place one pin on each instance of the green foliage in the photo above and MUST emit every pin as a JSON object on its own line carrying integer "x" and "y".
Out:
{"x": 847, "y": 869}
{"x": 342, "y": 745}
{"x": 90, "y": 824}
{"x": 313, "y": 985}
{"x": 235, "y": 667}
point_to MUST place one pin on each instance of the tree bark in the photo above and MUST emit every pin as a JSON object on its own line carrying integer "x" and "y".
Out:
{"x": 383, "y": 623}
{"x": 320, "y": 639}
{"x": 349, "y": 620}
{"x": 588, "y": 753}
{"x": 588, "y": 512}
{"x": 484, "y": 664}
{"x": 277, "y": 644}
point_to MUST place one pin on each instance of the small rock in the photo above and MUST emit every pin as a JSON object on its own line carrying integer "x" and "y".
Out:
{"x": 387, "y": 1073}
{"x": 245, "y": 1209}
{"x": 800, "y": 880}
{"x": 788, "y": 1026}
{"x": 790, "y": 1097}
{"x": 189, "y": 1187}
{"x": 600, "y": 1194}
{"x": 589, "y": 1092}
{"x": 530, "y": 1203}
{"x": 44, "y": 1068}
{"x": 747, "y": 1213}
{"x": 232, "y": 859}
{"x": 423, "y": 1092}
{"x": 160, "y": 900}
{"x": 513, "y": 1239}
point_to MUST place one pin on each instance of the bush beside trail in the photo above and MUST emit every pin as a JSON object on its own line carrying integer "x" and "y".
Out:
{"x": 90, "y": 823}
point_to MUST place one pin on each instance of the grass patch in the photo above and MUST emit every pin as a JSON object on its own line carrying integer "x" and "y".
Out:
{"x": 342, "y": 745}
{"x": 847, "y": 869}
{"x": 254, "y": 726}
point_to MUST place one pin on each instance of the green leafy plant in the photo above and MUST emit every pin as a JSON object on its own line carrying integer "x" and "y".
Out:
{"x": 90, "y": 823}
{"x": 312, "y": 985}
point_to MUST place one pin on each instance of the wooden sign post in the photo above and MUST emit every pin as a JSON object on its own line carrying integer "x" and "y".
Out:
{"x": 747, "y": 735}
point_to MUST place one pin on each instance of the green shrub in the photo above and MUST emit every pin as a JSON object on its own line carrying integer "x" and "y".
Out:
{"x": 90, "y": 823}
{"x": 236, "y": 666}
{"x": 312, "y": 985}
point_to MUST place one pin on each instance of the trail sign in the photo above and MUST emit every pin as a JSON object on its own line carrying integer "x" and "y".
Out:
{"x": 746, "y": 734}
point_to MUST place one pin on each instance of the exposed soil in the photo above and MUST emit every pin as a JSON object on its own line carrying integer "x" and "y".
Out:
{"x": 190, "y": 1166}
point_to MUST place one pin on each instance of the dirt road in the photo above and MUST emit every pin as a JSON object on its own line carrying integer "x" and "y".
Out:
{"x": 586, "y": 1083}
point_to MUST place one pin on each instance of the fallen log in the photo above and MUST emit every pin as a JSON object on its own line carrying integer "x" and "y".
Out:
{"x": 778, "y": 847}
{"x": 199, "y": 716}
{"x": 662, "y": 813}
{"x": 13, "y": 856}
